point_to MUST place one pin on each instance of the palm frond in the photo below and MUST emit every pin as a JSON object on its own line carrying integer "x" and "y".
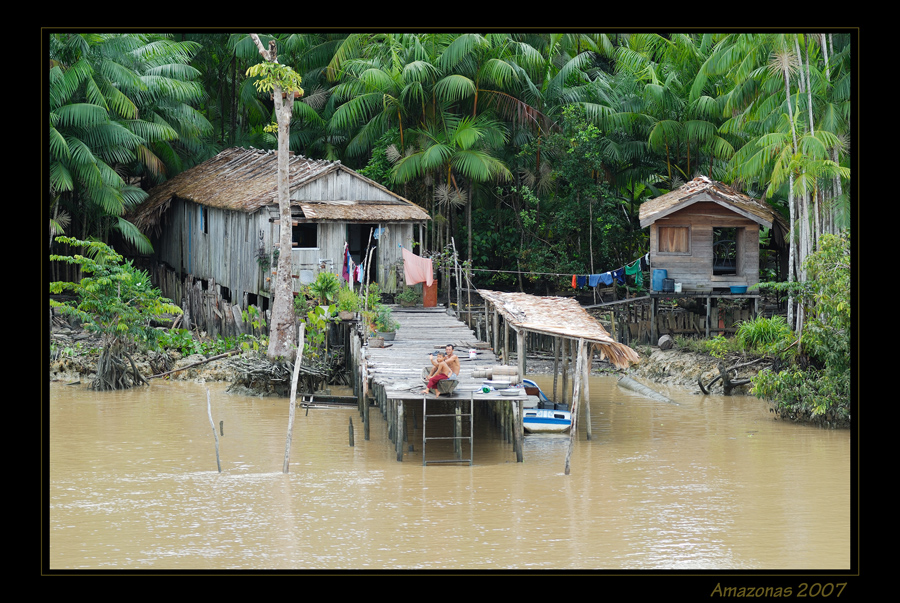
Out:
{"x": 134, "y": 236}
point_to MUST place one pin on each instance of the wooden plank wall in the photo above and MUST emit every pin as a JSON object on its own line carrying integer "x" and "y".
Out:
{"x": 695, "y": 269}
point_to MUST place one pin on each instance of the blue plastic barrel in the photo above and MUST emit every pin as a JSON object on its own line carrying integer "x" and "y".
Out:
{"x": 659, "y": 275}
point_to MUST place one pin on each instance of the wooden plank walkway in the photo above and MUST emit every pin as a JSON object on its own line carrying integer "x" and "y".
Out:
{"x": 396, "y": 373}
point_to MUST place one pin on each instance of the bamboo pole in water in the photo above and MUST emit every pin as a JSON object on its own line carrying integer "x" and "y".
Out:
{"x": 577, "y": 378}
{"x": 586, "y": 380}
{"x": 297, "y": 361}
{"x": 555, "y": 365}
{"x": 213, "y": 425}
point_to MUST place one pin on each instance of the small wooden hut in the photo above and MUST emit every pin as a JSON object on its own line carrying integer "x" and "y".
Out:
{"x": 218, "y": 222}
{"x": 706, "y": 235}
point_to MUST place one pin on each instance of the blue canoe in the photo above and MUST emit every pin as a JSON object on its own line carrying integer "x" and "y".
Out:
{"x": 546, "y": 418}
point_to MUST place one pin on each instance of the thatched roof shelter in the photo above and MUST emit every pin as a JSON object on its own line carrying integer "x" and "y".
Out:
{"x": 702, "y": 188}
{"x": 561, "y": 317}
{"x": 244, "y": 180}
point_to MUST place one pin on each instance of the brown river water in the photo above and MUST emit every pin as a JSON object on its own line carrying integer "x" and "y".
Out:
{"x": 713, "y": 483}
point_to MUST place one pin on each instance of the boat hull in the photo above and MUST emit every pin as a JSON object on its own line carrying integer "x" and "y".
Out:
{"x": 546, "y": 421}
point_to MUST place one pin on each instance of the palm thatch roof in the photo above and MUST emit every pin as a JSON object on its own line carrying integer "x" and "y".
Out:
{"x": 240, "y": 179}
{"x": 559, "y": 316}
{"x": 702, "y": 188}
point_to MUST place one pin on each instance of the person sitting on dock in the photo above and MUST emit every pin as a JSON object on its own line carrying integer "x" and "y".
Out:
{"x": 441, "y": 371}
{"x": 452, "y": 361}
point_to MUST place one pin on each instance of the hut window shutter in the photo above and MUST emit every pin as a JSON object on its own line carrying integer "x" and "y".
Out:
{"x": 674, "y": 239}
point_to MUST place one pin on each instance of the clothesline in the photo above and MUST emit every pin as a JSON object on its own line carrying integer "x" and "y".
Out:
{"x": 634, "y": 268}
{"x": 566, "y": 274}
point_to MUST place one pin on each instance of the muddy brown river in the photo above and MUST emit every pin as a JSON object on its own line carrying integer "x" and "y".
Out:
{"x": 714, "y": 483}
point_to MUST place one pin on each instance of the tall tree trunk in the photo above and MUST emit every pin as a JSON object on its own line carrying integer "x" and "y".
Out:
{"x": 282, "y": 346}
{"x": 791, "y": 235}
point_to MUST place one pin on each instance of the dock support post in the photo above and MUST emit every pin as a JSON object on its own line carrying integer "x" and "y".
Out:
{"x": 496, "y": 331}
{"x": 575, "y": 396}
{"x": 555, "y": 364}
{"x": 398, "y": 434}
{"x": 505, "y": 343}
{"x": 520, "y": 352}
{"x": 520, "y": 435}
{"x": 586, "y": 395}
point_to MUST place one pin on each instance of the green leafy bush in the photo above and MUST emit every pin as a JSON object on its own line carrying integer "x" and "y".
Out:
{"x": 765, "y": 335}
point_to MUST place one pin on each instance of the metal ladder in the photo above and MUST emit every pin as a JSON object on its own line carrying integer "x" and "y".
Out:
{"x": 457, "y": 438}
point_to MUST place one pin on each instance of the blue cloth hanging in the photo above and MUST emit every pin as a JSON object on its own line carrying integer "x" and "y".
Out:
{"x": 606, "y": 278}
{"x": 593, "y": 280}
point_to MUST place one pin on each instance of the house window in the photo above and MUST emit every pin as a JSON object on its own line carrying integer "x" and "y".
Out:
{"x": 674, "y": 239}
{"x": 726, "y": 251}
{"x": 305, "y": 235}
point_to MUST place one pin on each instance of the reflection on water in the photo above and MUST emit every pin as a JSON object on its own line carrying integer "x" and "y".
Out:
{"x": 714, "y": 483}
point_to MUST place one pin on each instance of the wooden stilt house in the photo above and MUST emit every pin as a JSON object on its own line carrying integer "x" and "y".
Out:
{"x": 218, "y": 223}
{"x": 706, "y": 235}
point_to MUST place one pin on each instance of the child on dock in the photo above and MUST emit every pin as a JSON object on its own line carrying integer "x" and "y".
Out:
{"x": 441, "y": 371}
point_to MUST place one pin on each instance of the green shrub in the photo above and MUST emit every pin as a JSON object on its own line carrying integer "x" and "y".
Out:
{"x": 764, "y": 334}
{"x": 348, "y": 300}
{"x": 325, "y": 288}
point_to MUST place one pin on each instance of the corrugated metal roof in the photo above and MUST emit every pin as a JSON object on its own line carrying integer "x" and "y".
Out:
{"x": 242, "y": 179}
{"x": 704, "y": 189}
{"x": 561, "y": 316}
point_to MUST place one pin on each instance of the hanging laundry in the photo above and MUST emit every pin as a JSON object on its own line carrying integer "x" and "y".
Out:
{"x": 593, "y": 280}
{"x": 417, "y": 269}
{"x": 347, "y": 264}
{"x": 635, "y": 270}
{"x": 378, "y": 232}
{"x": 645, "y": 262}
{"x": 581, "y": 281}
{"x": 619, "y": 275}
{"x": 606, "y": 278}
{"x": 574, "y": 282}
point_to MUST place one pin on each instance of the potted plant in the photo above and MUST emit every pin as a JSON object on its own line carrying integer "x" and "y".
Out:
{"x": 385, "y": 324}
{"x": 348, "y": 303}
{"x": 325, "y": 288}
{"x": 408, "y": 297}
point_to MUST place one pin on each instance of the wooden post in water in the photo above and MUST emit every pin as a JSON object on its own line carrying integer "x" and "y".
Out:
{"x": 566, "y": 345}
{"x": 297, "y": 361}
{"x": 586, "y": 395}
{"x": 397, "y": 433}
{"x": 555, "y": 365}
{"x": 213, "y": 425}
{"x": 505, "y": 342}
{"x": 575, "y": 396}
{"x": 520, "y": 352}
{"x": 520, "y": 428}
{"x": 496, "y": 331}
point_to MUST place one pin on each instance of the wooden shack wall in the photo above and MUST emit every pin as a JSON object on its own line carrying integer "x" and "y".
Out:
{"x": 340, "y": 186}
{"x": 390, "y": 254}
{"x": 213, "y": 252}
{"x": 696, "y": 268}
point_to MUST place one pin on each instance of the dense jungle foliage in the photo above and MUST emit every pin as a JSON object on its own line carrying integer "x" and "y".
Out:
{"x": 533, "y": 151}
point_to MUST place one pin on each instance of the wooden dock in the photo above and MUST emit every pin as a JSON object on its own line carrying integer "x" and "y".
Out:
{"x": 393, "y": 377}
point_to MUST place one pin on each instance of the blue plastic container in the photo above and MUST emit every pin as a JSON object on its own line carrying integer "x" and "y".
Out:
{"x": 659, "y": 275}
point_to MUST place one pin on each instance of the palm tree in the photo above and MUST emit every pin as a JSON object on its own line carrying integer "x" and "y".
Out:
{"x": 120, "y": 109}
{"x": 455, "y": 147}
